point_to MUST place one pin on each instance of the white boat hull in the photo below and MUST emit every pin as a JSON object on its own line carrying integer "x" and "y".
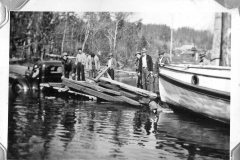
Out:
{"x": 210, "y": 99}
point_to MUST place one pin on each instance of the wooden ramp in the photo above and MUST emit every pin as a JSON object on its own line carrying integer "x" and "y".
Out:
{"x": 98, "y": 91}
{"x": 111, "y": 90}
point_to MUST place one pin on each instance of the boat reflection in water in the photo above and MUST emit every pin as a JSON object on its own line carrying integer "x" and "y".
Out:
{"x": 61, "y": 127}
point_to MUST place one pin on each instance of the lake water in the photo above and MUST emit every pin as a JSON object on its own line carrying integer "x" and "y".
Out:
{"x": 55, "y": 126}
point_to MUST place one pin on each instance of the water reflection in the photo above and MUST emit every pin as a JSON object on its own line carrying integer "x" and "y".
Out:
{"x": 68, "y": 128}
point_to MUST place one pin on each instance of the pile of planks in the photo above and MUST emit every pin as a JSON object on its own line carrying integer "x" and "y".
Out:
{"x": 111, "y": 90}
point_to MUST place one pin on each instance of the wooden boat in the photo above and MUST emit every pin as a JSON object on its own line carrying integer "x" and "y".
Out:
{"x": 201, "y": 89}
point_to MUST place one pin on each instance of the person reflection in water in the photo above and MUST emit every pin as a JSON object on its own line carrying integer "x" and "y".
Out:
{"x": 151, "y": 124}
{"x": 68, "y": 122}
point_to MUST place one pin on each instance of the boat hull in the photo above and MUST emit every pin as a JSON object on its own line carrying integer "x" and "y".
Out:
{"x": 205, "y": 101}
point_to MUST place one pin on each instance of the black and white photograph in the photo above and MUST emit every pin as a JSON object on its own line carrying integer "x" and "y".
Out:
{"x": 108, "y": 84}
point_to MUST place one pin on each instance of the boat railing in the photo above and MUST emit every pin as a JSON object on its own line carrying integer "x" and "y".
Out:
{"x": 201, "y": 66}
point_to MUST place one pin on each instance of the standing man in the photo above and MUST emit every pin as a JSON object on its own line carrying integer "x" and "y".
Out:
{"x": 87, "y": 66}
{"x": 203, "y": 59}
{"x": 161, "y": 60}
{"x": 145, "y": 69}
{"x": 94, "y": 66}
{"x": 112, "y": 63}
{"x": 139, "y": 78}
{"x": 80, "y": 62}
{"x": 68, "y": 66}
{"x": 35, "y": 72}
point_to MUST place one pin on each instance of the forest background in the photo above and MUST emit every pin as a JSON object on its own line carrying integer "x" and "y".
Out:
{"x": 33, "y": 35}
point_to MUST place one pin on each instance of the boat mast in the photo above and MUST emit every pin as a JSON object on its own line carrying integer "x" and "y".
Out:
{"x": 221, "y": 49}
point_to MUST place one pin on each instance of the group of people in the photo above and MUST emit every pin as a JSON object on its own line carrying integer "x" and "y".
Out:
{"x": 145, "y": 69}
{"x": 74, "y": 68}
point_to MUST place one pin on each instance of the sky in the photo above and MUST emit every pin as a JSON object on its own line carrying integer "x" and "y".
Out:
{"x": 196, "y": 20}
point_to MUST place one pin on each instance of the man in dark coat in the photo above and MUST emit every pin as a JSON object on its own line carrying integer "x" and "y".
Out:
{"x": 112, "y": 64}
{"x": 139, "y": 78}
{"x": 145, "y": 69}
{"x": 68, "y": 66}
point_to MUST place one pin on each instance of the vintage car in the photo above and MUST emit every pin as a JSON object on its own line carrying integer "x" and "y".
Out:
{"x": 21, "y": 79}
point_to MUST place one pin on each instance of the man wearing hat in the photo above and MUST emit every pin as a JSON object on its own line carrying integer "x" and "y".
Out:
{"x": 139, "y": 78}
{"x": 81, "y": 61}
{"x": 68, "y": 66}
{"x": 145, "y": 69}
{"x": 161, "y": 60}
{"x": 35, "y": 71}
{"x": 93, "y": 65}
{"x": 203, "y": 59}
{"x": 112, "y": 63}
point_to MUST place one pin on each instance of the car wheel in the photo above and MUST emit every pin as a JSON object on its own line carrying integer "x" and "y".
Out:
{"x": 17, "y": 87}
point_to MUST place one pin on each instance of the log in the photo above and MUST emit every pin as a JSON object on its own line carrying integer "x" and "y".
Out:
{"x": 94, "y": 87}
{"x": 51, "y": 84}
{"x": 90, "y": 97}
{"x": 96, "y": 79}
{"x": 108, "y": 85}
{"x": 128, "y": 100}
{"x": 128, "y": 72}
{"x": 116, "y": 88}
{"x": 131, "y": 88}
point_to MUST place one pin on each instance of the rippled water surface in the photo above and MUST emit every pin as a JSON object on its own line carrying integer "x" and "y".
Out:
{"x": 62, "y": 127}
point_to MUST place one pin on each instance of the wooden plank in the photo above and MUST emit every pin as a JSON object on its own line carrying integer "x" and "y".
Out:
{"x": 144, "y": 100}
{"x": 86, "y": 95}
{"x": 120, "y": 98}
{"x": 44, "y": 85}
{"x": 95, "y": 87}
{"x": 90, "y": 91}
{"x": 114, "y": 87}
{"x": 130, "y": 88}
{"x": 96, "y": 79}
{"x": 51, "y": 84}
{"x": 129, "y": 95}
{"x": 129, "y": 72}
{"x": 105, "y": 89}
{"x": 108, "y": 85}
{"x": 128, "y": 100}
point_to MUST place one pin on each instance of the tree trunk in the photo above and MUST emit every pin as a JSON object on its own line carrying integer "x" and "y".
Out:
{"x": 43, "y": 52}
{"x": 38, "y": 34}
{"x": 115, "y": 37}
{"x": 110, "y": 41}
{"x": 23, "y": 50}
{"x": 29, "y": 39}
{"x": 86, "y": 35}
{"x": 64, "y": 35}
{"x": 72, "y": 40}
